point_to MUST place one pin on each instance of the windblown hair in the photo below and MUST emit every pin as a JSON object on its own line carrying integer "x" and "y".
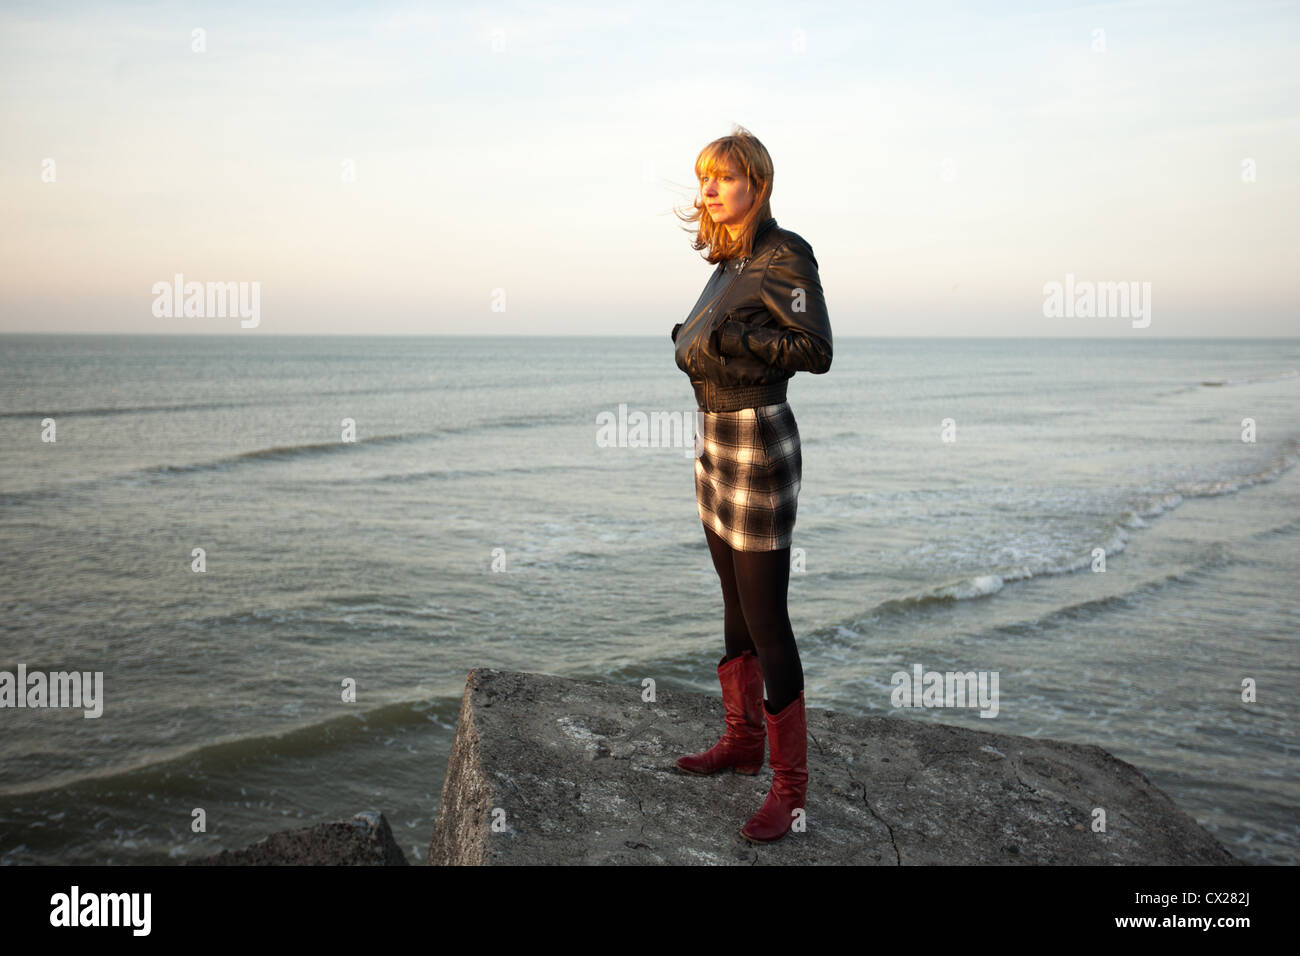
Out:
{"x": 743, "y": 154}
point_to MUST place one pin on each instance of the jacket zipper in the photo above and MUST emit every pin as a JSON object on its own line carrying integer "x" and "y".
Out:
{"x": 709, "y": 329}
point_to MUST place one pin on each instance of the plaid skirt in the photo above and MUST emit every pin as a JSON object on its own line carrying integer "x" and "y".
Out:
{"x": 747, "y": 475}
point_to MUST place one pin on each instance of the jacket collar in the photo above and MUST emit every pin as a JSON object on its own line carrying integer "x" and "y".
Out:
{"x": 764, "y": 226}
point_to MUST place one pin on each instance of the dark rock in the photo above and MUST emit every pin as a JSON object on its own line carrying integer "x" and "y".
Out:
{"x": 365, "y": 840}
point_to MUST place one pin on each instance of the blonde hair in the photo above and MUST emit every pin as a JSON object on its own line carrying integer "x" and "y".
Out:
{"x": 743, "y": 154}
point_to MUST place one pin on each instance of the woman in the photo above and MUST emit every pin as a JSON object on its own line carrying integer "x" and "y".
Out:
{"x": 760, "y": 319}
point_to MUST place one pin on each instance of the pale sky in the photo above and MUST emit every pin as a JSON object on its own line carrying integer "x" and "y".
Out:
{"x": 945, "y": 161}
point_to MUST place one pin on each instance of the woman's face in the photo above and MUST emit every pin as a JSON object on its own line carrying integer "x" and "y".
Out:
{"x": 727, "y": 197}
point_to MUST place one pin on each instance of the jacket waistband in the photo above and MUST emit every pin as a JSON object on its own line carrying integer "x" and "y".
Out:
{"x": 730, "y": 398}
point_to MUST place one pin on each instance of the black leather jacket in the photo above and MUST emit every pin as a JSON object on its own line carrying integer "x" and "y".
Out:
{"x": 757, "y": 322}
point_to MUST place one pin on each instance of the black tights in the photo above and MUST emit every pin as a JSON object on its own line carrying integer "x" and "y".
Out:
{"x": 754, "y": 585}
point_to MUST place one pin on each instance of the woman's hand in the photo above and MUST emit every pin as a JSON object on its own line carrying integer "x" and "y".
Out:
{"x": 800, "y": 338}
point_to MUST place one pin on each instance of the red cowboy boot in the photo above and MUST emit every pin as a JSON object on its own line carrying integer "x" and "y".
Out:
{"x": 741, "y": 747}
{"x": 788, "y": 737}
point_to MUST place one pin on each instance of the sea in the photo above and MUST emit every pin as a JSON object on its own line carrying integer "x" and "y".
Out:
{"x": 285, "y": 554}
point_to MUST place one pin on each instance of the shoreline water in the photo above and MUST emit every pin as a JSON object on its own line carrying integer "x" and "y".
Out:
{"x": 376, "y": 561}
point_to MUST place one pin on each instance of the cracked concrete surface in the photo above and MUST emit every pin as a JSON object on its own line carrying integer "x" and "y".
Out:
{"x": 546, "y": 770}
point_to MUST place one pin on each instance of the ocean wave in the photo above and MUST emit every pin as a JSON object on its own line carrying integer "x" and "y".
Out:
{"x": 151, "y": 474}
{"x": 987, "y": 583}
{"x": 278, "y": 453}
{"x": 214, "y": 758}
{"x": 1163, "y": 501}
{"x": 281, "y": 453}
{"x": 1270, "y": 472}
{"x": 458, "y": 474}
{"x": 125, "y": 410}
{"x": 1217, "y": 555}
{"x": 1254, "y": 380}
{"x": 289, "y": 452}
{"x": 277, "y": 402}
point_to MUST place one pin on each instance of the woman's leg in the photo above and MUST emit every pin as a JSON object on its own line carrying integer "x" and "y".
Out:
{"x": 734, "y": 630}
{"x": 762, "y": 579}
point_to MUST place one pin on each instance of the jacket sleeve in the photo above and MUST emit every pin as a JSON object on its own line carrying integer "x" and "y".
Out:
{"x": 800, "y": 338}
